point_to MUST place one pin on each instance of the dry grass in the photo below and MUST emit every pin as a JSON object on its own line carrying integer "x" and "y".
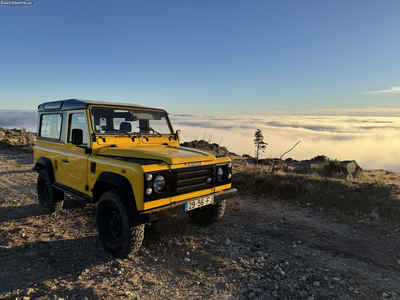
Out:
{"x": 17, "y": 139}
{"x": 376, "y": 190}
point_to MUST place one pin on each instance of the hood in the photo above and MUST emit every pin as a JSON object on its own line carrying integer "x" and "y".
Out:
{"x": 169, "y": 154}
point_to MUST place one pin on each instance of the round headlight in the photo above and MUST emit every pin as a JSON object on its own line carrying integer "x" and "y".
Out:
{"x": 220, "y": 173}
{"x": 159, "y": 183}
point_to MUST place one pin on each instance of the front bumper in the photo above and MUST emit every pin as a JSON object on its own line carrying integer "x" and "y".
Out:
{"x": 174, "y": 209}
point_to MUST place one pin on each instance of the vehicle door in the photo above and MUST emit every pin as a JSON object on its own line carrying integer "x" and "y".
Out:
{"x": 74, "y": 161}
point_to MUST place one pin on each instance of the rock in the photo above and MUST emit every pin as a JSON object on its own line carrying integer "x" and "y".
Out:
{"x": 351, "y": 167}
{"x": 348, "y": 166}
{"x": 347, "y": 176}
{"x": 316, "y": 284}
{"x": 358, "y": 173}
{"x": 252, "y": 295}
{"x": 385, "y": 295}
{"x": 227, "y": 242}
{"x": 303, "y": 294}
{"x": 375, "y": 214}
{"x": 336, "y": 280}
{"x": 187, "y": 260}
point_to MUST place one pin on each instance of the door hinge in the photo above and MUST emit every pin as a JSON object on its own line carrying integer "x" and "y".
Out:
{"x": 86, "y": 188}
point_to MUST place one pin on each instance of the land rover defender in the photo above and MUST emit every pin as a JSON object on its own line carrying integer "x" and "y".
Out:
{"x": 127, "y": 159}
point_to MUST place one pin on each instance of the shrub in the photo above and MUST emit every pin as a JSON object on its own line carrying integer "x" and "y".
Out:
{"x": 332, "y": 168}
{"x": 322, "y": 158}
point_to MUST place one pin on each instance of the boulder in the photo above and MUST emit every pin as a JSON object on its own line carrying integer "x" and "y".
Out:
{"x": 347, "y": 176}
{"x": 350, "y": 167}
{"x": 358, "y": 173}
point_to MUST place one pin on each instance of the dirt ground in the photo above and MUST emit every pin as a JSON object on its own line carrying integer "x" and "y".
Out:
{"x": 263, "y": 248}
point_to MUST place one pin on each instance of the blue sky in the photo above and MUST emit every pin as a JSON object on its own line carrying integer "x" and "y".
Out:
{"x": 225, "y": 57}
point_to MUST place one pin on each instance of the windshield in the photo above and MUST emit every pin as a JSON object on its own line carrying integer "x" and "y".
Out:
{"x": 129, "y": 121}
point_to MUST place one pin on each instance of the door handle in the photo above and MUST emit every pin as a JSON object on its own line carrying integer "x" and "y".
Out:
{"x": 64, "y": 161}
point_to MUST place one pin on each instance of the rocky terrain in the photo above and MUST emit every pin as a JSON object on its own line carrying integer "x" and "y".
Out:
{"x": 265, "y": 247}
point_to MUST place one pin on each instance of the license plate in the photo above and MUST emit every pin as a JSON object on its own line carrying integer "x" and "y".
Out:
{"x": 199, "y": 203}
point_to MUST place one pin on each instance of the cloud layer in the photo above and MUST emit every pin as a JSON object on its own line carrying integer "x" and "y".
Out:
{"x": 18, "y": 118}
{"x": 374, "y": 142}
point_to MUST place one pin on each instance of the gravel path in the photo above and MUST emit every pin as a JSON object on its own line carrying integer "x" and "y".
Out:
{"x": 262, "y": 249}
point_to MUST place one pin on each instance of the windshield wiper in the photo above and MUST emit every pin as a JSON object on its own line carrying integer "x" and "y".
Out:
{"x": 149, "y": 128}
{"x": 117, "y": 130}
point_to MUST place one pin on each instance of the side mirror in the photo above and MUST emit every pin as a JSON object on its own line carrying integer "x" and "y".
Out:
{"x": 178, "y": 135}
{"x": 77, "y": 136}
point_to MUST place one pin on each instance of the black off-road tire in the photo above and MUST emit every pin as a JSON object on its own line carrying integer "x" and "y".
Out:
{"x": 209, "y": 214}
{"x": 118, "y": 225}
{"x": 50, "y": 199}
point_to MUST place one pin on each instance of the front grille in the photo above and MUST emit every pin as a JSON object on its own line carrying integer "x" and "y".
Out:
{"x": 194, "y": 179}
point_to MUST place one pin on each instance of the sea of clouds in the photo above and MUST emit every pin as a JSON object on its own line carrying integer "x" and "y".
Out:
{"x": 374, "y": 142}
{"x": 18, "y": 118}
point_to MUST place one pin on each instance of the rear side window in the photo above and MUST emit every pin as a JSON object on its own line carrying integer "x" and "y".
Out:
{"x": 50, "y": 126}
{"x": 78, "y": 121}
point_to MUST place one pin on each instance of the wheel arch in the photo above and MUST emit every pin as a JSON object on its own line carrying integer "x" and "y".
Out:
{"x": 45, "y": 163}
{"x": 108, "y": 181}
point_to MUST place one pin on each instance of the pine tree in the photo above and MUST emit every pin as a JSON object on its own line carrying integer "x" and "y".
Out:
{"x": 259, "y": 142}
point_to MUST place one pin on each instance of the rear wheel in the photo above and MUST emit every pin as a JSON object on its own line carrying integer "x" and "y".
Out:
{"x": 118, "y": 226}
{"x": 50, "y": 198}
{"x": 209, "y": 214}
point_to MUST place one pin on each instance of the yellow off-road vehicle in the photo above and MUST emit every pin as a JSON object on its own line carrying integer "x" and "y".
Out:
{"x": 126, "y": 158}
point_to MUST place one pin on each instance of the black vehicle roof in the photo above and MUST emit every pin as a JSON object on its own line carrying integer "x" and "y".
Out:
{"x": 71, "y": 104}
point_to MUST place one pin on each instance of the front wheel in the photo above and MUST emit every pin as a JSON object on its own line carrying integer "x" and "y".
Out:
{"x": 118, "y": 226}
{"x": 50, "y": 198}
{"x": 208, "y": 214}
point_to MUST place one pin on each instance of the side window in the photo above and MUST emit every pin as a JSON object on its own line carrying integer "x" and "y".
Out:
{"x": 50, "y": 126}
{"x": 78, "y": 121}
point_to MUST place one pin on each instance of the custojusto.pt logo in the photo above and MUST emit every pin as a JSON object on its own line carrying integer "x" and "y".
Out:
{"x": 16, "y": 2}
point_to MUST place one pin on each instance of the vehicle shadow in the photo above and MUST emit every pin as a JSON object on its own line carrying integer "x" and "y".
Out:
{"x": 48, "y": 260}
{"x": 13, "y": 213}
{"x": 20, "y": 212}
{"x": 16, "y": 172}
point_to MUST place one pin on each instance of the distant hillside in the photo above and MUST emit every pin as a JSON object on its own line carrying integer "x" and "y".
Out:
{"x": 206, "y": 146}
